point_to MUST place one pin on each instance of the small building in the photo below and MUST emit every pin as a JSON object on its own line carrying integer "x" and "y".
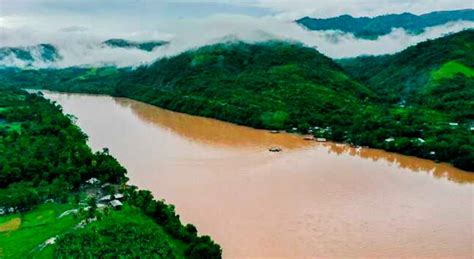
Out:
{"x": 389, "y": 140}
{"x": 432, "y": 153}
{"x": 454, "y": 124}
{"x": 108, "y": 198}
{"x": 420, "y": 140}
{"x": 116, "y": 204}
{"x": 93, "y": 181}
{"x": 321, "y": 140}
{"x": 274, "y": 131}
{"x": 2, "y": 211}
{"x": 309, "y": 137}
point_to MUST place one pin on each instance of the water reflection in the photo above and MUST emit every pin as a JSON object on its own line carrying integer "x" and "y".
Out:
{"x": 228, "y": 135}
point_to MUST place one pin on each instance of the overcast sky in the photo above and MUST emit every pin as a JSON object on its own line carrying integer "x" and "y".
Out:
{"x": 193, "y": 23}
{"x": 134, "y": 15}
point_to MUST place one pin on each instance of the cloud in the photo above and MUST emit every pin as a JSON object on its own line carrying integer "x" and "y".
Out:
{"x": 77, "y": 28}
{"x": 83, "y": 47}
{"x": 74, "y": 28}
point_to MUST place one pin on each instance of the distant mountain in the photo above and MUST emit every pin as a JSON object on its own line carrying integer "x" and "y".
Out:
{"x": 146, "y": 46}
{"x": 438, "y": 73}
{"x": 28, "y": 56}
{"x": 372, "y": 28}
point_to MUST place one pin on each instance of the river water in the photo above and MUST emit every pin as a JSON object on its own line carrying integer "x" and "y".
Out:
{"x": 311, "y": 200}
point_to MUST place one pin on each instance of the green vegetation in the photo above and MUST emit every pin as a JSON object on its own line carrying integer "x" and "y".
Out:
{"x": 124, "y": 232}
{"x": 284, "y": 85}
{"x": 372, "y": 28}
{"x": 450, "y": 69}
{"x": 35, "y": 228}
{"x": 43, "y": 172}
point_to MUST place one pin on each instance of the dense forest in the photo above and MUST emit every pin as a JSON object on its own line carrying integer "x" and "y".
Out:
{"x": 45, "y": 161}
{"x": 374, "y": 27}
{"x": 416, "y": 102}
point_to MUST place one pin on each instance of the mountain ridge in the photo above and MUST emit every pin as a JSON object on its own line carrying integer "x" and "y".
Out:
{"x": 374, "y": 27}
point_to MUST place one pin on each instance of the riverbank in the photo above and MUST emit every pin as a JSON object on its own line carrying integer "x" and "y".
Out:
{"x": 54, "y": 188}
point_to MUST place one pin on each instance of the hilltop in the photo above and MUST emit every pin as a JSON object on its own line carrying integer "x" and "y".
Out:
{"x": 373, "y": 27}
{"x": 128, "y": 44}
{"x": 28, "y": 56}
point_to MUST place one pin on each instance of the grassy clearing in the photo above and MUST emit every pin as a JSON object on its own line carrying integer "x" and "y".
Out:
{"x": 450, "y": 69}
{"x": 36, "y": 227}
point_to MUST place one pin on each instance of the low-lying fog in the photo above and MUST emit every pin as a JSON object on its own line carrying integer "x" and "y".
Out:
{"x": 82, "y": 46}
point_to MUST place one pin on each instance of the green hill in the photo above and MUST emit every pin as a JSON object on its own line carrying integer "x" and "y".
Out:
{"x": 373, "y": 27}
{"x": 42, "y": 53}
{"x": 267, "y": 85}
{"x": 275, "y": 85}
{"x": 436, "y": 73}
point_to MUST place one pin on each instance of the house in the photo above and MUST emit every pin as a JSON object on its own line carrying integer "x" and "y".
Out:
{"x": 93, "y": 181}
{"x": 321, "y": 140}
{"x": 118, "y": 196}
{"x": 274, "y": 131}
{"x": 389, "y": 140}
{"x": 107, "y": 198}
{"x": 454, "y": 124}
{"x": 116, "y": 204}
{"x": 420, "y": 140}
{"x": 432, "y": 153}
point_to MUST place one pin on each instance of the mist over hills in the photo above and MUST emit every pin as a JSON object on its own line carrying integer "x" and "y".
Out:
{"x": 42, "y": 54}
{"x": 374, "y": 27}
{"x": 146, "y": 45}
{"x": 85, "y": 47}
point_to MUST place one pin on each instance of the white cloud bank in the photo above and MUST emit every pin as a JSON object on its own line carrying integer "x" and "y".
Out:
{"x": 77, "y": 33}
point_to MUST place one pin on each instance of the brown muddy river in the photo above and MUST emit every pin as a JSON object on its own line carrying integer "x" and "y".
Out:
{"x": 311, "y": 200}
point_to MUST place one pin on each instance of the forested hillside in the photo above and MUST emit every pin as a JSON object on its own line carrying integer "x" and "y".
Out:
{"x": 373, "y": 27}
{"x": 52, "y": 190}
{"x": 282, "y": 85}
{"x": 436, "y": 73}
